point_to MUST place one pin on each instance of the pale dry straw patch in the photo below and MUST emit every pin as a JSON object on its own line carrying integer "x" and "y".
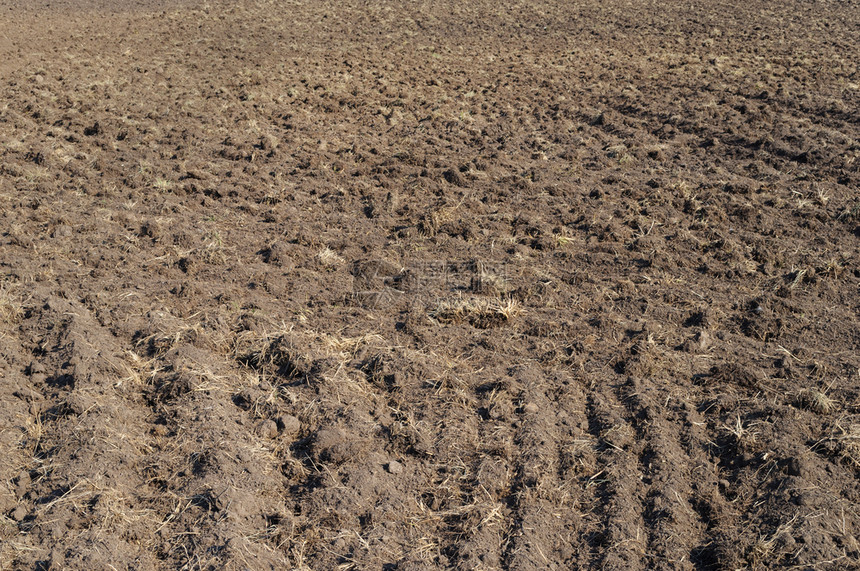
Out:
{"x": 11, "y": 304}
{"x": 329, "y": 259}
{"x": 816, "y": 400}
{"x": 479, "y": 312}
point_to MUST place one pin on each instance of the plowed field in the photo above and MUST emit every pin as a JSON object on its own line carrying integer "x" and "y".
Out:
{"x": 429, "y": 285}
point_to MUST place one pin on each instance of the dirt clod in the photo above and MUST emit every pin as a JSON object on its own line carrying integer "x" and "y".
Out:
{"x": 289, "y": 425}
{"x": 531, "y": 408}
{"x": 268, "y": 429}
{"x": 19, "y": 513}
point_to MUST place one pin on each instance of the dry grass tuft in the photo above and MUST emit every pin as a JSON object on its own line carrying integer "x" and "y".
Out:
{"x": 35, "y": 432}
{"x": 478, "y": 312}
{"x": 292, "y": 353}
{"x": 139, "y": 372}
{"x": 162, "y": 185}
{"x": 432, "y": 222}
{"x": 816, "y": 401}
{"x": 745, "y": 438}
{"x": 214, "y": 251}
{"x": 11, "y": 304}
{"x": 329, "y": 259}
{"x": 157, "y": 344}
{"x": 847, "y": 440}
{"x": 763, "y": 550}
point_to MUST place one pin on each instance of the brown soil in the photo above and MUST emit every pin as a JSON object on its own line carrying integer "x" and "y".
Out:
{"x": 429, "y": 285}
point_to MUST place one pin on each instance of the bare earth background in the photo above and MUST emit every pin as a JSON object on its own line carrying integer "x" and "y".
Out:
{"x": 429, "y": 285}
